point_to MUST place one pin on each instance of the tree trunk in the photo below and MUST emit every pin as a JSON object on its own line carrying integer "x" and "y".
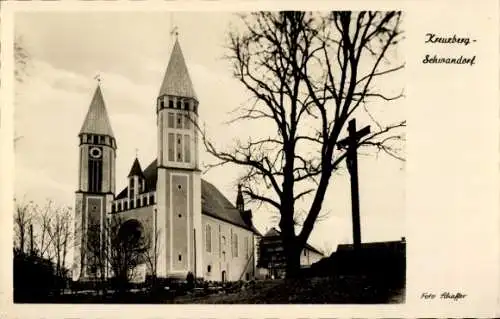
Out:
{"x": 292, "y": 262}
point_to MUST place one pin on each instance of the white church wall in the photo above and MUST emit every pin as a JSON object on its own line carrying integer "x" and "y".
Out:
{"x": 222, "y": 257}
{"x": 197, "y": 224}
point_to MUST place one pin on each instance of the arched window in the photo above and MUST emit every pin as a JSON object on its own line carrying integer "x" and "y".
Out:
{"x": 246, "y": 246}
{"x": 170, "y": 120}
{"x": 179, "y": 120}
{"x": 235, "y": 245}
{"x": 208, "y": 238}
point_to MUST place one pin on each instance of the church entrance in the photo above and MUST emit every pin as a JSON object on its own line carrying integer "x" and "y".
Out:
{"x": 224, "y": 276}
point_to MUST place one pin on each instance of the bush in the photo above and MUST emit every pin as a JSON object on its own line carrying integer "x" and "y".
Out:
{"x": 34, "y": 278}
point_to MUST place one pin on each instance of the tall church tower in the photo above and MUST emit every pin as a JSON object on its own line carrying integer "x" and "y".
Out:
{"x": 96, "y": 184}
{"x": 178, "y": 184}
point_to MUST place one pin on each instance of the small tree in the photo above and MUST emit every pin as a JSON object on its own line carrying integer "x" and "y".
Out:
{"x": 23, "y": 218}
{"x": 151, "y": 254}
{"x": 115, "y": 248}
{"x": 60, "y": 234}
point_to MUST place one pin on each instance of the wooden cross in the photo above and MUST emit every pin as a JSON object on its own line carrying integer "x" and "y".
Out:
{"x": 351, "y": 143}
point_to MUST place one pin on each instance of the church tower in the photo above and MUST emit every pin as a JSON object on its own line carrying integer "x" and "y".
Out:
{"x": 96, "y": 184}
{"x": 178, "y": 183}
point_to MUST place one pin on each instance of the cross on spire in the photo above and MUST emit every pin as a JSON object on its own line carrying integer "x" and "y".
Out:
{"x": 174, "y": 29}
{"x": 175, "y": 32}
{"x": 98, "y": 78}
{"x": 136, "y": 152}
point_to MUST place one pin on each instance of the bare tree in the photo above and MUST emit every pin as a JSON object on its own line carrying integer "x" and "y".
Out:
{"x": 22, "y": 220}
{"x": 21, "y": 59}
{"x": 308, "y": 74}
{"x": 150, "y": 256}
{"x": 44, "y": 218}
{"x": 60, "y": 233}
{"x": 116, "y": 247}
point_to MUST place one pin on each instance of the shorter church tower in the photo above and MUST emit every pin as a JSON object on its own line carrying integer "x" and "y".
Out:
{"x": 136, "y": 184}
{"x": 96, "y": 186}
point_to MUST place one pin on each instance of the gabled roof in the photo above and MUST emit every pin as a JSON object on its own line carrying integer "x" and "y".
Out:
{"x": 273, "y": 232}
{"x": 97, "y": 120}
{"x": 136, "y": 169}
{"x": 176, "y": 81}
{"x": 213, "y": 202}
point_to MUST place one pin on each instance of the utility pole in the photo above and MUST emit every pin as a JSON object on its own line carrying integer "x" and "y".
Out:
{"x": 351, "y": 143}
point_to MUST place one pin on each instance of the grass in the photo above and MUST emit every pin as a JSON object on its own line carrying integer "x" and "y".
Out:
{"x": 342, "y": 290}
{"x": 339, "y": 290}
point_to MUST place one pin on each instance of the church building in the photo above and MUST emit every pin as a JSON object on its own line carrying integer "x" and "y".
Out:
{"x": 197, "y": 228}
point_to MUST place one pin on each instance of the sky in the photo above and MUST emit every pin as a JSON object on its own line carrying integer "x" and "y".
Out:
{"x": 130, "y": 52}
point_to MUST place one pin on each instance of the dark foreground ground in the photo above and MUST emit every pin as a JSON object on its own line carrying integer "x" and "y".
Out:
{"x": 340, "y": 290}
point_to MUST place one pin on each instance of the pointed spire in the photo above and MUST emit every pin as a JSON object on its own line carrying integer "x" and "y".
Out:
{"x": 240, "y": 204}
{"x": 177, "y": 81}
{"x": 97, "y": 120}
{"x": 136, "y": 169}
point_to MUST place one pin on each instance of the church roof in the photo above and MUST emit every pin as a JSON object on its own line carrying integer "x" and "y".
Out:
{"x": 136, "y": 169}
{"x": 97, "y": 120}
{"x": 213, "y": 202}
{"x": 176, "y": 81}
{"x": 273, "y": 232}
